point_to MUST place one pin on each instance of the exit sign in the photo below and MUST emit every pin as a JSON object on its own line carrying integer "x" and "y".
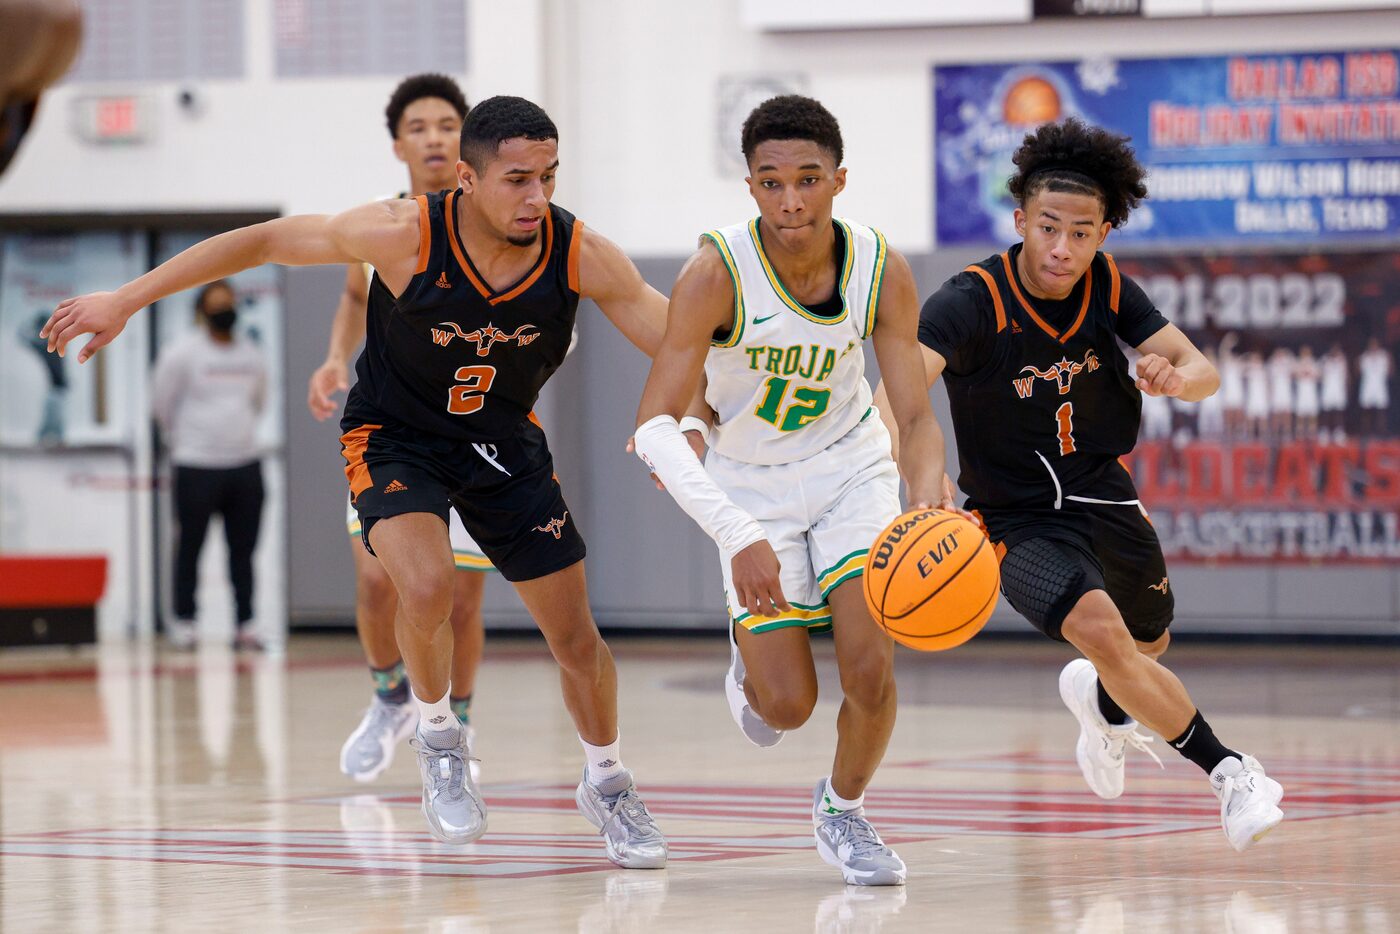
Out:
{"x": 114, "y": 118}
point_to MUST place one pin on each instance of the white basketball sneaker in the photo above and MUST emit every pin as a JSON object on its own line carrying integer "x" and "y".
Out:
{"x": 1101, "y": 747}
{"x": 370, "y": 748}
{"x": 1248, "y": 800}
{"x": 752, "y": 725}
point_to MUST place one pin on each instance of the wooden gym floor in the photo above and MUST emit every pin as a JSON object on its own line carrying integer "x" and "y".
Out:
{"x": 142, "y": 790}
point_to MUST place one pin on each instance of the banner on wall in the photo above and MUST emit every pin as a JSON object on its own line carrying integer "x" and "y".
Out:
{"x": 1299, "y": 147}
{"x": 47, "y": 400}
{"x": 1297, "y": 457}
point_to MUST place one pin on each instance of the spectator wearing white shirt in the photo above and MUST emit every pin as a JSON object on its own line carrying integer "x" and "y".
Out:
{"x": 210, "y": 390}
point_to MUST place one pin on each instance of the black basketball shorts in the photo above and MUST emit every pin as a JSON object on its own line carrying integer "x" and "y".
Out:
{"x": 505, "y": 491}
{"x": 1052, "y": 557}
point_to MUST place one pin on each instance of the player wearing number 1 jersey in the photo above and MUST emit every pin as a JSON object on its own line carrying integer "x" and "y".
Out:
{"x": 1043, "y": 405}
{"x": 472, "y": 306}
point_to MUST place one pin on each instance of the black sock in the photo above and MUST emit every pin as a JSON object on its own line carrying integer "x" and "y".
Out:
{"x": 1109, "y": 707}
{"x": 1198, "y": 743}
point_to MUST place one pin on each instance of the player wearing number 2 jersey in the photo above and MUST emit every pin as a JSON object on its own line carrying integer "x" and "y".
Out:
{"x": 1043, "y": 405}
{"x": 472, "y": 307}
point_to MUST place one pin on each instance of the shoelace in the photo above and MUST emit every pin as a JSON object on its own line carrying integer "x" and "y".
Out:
{"x": 1139, "y": 742}
{"x": 446, "y": 770}
{"x": 629, "y": 809}
{"x": 859, "y": 833}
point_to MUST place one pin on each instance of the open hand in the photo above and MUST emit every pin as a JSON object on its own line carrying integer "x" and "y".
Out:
{"x": 98, "y": 313}
{"x": 757, "y": 579}
{"x": 330, "y": 377}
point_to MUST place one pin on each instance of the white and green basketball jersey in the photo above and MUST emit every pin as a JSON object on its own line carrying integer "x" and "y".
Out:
{"x": 787, "y": 383}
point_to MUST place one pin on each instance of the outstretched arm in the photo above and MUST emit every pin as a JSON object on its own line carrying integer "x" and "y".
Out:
{"x": 384, "y": 233}
{"x": 608, "y": 277}
{"x": 702, "y": 302}
{"x": 347, "y": 332}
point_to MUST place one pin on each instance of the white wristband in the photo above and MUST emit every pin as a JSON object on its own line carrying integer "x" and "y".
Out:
{"x": 662, "y": 447}
{"x": 694, "y": 423}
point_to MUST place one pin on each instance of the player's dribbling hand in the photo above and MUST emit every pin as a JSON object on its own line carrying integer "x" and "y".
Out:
{"x": 98, "y": 313}
{"x": 697, "y": 444}
{"x": 1157, "y": 376}
{"x": 330, "y": 377}
{"x": 757, "y": 579}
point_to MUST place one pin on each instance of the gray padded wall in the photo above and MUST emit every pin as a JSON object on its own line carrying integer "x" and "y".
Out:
{"x": 648, "y": 564}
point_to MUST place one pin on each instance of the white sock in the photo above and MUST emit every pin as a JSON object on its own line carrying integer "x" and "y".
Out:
{"x": 832, "y": 803}
{"x": 604, "y": 762}
{"x": 436, "y": 716}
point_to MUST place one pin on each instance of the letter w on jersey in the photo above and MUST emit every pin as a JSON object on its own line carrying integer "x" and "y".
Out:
{"x": 484, "y": 338}
{"x": 1062, "y": 374}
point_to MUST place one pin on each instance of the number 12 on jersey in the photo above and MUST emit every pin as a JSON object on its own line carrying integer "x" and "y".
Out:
{"x": 806, "y": 405}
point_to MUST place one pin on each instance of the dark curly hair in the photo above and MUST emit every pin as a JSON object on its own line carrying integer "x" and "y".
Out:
{"x": 417, "y": 87}
{"x": 498, "y": 119}
{"x": 1080, "y": 159}
{"x": 792, "y": 116}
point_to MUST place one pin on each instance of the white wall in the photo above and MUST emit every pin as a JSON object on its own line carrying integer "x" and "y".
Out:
{"x": 295, "y": 146}
{"x": 633, "y": 86}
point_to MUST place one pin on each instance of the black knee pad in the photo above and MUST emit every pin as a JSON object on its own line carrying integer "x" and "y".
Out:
{"x": 1043, "y": 579}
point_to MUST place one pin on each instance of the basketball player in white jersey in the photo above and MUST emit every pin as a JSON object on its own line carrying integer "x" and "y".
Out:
{"x": 799, "y": 480}
{"x": 1334, "y": 395}
{"x": 424, "y": 115}
{"x": 1374, "y": 390}
{"x": 1256, "y": 396}
{"x": 1307, "y": 402}
{"x": 1231, "y": 369}
{"x": 1281, "y": 364}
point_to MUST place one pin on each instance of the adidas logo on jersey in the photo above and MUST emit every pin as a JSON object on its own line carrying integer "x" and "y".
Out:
{"x": 395, "y": 487}
{"x": 442, "y": 282}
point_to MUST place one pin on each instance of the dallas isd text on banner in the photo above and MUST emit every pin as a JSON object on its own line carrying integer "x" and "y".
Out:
{"x": 1298, "y": 147}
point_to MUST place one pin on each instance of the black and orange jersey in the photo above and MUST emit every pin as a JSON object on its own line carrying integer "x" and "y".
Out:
{"x": 1041, "y": 395}
{"x": 450, "y": 355}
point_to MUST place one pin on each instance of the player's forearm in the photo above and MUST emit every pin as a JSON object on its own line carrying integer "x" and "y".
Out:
{"x": 1202, "y": 379}
{"x": 347, "y": 330}
{"x": 921, "y": 457}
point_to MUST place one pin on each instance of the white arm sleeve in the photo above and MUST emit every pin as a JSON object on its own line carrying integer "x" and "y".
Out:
{"x": 666, "y": 453}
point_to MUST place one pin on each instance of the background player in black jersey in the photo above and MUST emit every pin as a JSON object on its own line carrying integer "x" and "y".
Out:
{"x": 1043, "y": 405}
{"x": 476, "y": 289}
{"x": 424, "y": 116}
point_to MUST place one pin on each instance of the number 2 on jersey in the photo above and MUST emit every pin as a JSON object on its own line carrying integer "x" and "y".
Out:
{"x": 470, "y": 395}
{"x": 1064, "y": 419}
{"x": 807, "y": 404}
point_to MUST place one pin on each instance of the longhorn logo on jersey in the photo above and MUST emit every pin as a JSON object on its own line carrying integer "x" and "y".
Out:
{"x": 484, "y": 338}
{"x": 1062, "y": 374}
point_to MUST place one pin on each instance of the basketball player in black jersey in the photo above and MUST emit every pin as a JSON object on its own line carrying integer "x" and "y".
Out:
{"x": 424, "y": 116}
{"x": 470, "y": 311}
{"x": 1043, "y": 405}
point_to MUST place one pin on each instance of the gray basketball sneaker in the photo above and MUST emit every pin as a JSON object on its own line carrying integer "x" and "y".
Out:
{"x": 622, "y": 819}
{"x": 451, "y": 802}
{"x": 750, "y": 723}
{"x": 370, "y": 748}
{"x": 848, "y": 841}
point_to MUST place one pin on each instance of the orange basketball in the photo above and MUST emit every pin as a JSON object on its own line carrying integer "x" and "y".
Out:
{"x": 931, "y": 580}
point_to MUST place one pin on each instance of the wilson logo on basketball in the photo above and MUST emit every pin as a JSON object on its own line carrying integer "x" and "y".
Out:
{"x": 885, "y": 550}
{"x": 484, "y": 338}
{"x": 1062, "y": 374}
{"x": 945, "y": 547}
{"x": 554, "y": 526}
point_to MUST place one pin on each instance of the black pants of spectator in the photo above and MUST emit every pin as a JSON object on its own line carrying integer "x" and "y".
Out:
{"x": 236, "y": 494}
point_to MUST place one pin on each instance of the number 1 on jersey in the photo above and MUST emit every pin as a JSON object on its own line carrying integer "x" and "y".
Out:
{"x": 807, "y": 404}
{"x": 1064, "y": 418}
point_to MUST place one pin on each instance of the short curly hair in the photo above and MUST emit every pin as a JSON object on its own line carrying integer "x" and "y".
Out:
{"x": 417, "y": 87}
{"x": 791, "y": 116}
{"x": 1074, "y": 157}
{"x": 498, "y": 119}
